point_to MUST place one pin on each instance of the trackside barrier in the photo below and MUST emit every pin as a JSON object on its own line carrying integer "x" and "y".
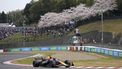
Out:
{"x": 26, "y": 49}
{"x": 116, "y": 53}
{"x": 83, "y": 48}
{"x": 72, "y": 48}
{"x": 106, "y": 51}
{"x": 1, "y": 51}
{"x": 35, "y": 49}
{"x": 120, "y": 54}
{"x": 93, "y": 49}
{"x": 98, "y": 50}
{"x": 79, "y": 48}
{"x": 53, "y": 48}
{"x": 61, "y": 48}
{"x": 102, "y": 50}
{"x": 75, "y": 48}
{"x": 64, "y": 48}
{"x": 44, "y": 49}
{"x": 87, "y": 49}
{"x": 110, "y": 52}
{"x": 14, "y": 50}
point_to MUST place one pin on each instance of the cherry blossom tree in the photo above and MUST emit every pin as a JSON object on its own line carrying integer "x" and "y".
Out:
{"x": 80, "y": 12}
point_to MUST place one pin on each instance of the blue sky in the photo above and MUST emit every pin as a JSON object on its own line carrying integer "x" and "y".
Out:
{"x": 11, "y": 5}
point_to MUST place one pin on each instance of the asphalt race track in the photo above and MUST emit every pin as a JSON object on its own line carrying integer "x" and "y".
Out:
{"x": 10, "y": 56}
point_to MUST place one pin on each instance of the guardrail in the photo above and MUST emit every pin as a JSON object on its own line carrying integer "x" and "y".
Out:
{"x": 93, "y": 49}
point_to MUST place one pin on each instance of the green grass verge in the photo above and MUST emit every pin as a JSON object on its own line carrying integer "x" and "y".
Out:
{"x": 110, "y": 61}
{"x": 102, "y": 60}
{"x": 114, "y": 26}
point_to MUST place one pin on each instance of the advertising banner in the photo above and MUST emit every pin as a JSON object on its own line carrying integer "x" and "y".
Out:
{"x": 106, "y": 51}
{"x": 26, "y": 49}
{"x": 103, "y": 51}
{"x": 35, "y": 49}
{"x": 45, "y": 49}
{"x": 93, "y": 49}
{"x": 98, "y": 50}
{"x": 115, "y": 53}
{"x": 110, "y": 52}
{"x": 64, "y": 48}
{"x": 120, "y": 54}
{"x": 53, "y": 48}
{"x": 87, "y": 49}
{"x": 14, "y": 50}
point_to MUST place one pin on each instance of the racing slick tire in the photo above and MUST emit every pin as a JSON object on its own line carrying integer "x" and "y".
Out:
{"x": 69, "y": 63}
{"x": 35, "y": 64}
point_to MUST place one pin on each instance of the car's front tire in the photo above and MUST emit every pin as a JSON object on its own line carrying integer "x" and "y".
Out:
{"x": 69, "y": 63}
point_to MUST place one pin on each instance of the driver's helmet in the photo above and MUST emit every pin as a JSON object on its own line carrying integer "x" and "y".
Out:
{"x": 49, "y": 57}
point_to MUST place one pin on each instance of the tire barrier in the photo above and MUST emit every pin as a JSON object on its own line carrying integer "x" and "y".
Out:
{"x": 92, "y": 49}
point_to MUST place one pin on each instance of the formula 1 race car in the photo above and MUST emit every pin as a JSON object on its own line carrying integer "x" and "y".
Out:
{"x": 51, "y": 62}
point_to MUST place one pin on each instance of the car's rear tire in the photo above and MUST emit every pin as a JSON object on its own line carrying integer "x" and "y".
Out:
{"x": 35, "y": 64}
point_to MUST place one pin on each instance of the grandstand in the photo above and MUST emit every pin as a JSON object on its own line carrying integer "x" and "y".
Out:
{"x": 4, "y": 24}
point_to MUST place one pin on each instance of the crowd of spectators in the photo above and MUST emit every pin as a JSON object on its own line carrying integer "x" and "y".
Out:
{"x": 5, "y": 32}
{"x": 53, "y": 31}
{"x": 58, "y": 30}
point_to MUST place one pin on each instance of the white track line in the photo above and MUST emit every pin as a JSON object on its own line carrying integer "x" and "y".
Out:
{"x": 10, "y": 63}
{"x": 99, "y": 67}
{"x": 89, "y": 67}
{"x": 120, "y": 68}
{"x": 111, "y": 67}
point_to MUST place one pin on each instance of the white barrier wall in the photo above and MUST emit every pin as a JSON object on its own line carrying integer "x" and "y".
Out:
{"x": 74, "y": 48}
{"x": 1, "y": 51}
